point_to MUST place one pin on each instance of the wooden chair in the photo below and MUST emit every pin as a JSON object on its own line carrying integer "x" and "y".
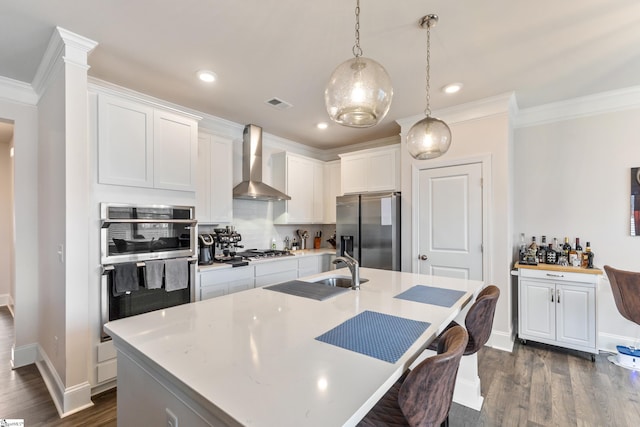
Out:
{"x": 479, "y": 320}
{"x": 423, "y": 396}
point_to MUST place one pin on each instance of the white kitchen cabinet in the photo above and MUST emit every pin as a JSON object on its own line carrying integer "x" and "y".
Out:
{"x": 371, "y": 170}
{"x": 302, "y": 178}
{"x": 332, "y": 189}
{"x": 214, "y": 198}
{"x": 223, "y": 281}
{"x": 308, "y": 266}
{"x": 140, "y": 145}
{"x": 558, "y": 306}
{"x": 276, "y": 271}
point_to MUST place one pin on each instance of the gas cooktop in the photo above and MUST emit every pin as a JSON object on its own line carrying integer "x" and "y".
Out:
{"x": 254, "y": 254}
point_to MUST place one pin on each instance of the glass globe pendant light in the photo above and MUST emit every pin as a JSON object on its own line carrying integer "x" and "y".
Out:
{"x": 359, "y": 91}
{"x": 430, "y": 137}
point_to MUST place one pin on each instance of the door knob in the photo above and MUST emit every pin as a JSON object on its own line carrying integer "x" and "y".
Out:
{"x": 423, "y": 257}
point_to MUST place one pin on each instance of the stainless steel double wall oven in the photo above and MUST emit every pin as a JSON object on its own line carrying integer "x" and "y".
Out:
{"x": 133, "y": 238}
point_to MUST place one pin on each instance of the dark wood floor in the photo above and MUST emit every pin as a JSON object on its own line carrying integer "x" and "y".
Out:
{"x": 535, "y": 385}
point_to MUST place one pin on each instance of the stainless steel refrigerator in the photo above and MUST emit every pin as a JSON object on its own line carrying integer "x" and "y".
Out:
{"x": 368, "y": 228}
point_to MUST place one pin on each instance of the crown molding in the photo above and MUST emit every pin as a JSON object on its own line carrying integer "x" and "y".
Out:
{"x": 17, "y": 91}
{"x": 487, "y": 107}
{"x": 584, "y": 106}
{"x": 63, "y": 46}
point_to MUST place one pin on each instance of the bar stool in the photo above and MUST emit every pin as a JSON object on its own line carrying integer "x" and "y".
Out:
{"x": 479, "y": 320}
{"x": 422, "y": 397}
{"x": 625, "y": 287}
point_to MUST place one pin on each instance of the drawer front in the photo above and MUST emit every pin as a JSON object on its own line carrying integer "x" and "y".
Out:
{"x": 208, "y": 278}
{"x": 213, "y": 291}
{"x": 107, "y": 371}
{"x": 271, "y": 267}
{"x": 106, "y": 351}
{"x": 271, "y": 279}
{"x": 308, "y": 263}
{"x": 560, "y": 276}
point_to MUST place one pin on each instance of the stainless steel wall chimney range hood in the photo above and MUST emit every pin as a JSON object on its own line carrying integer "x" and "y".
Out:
{"x": 252, "y": 187}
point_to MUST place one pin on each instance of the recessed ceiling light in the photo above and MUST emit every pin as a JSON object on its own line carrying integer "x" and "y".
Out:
{"x": 207, "y": 76}
{"x": 452, "y": 88}
{"x": 322, "y": 125}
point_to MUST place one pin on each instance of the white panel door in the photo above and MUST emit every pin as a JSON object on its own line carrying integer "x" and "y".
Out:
{"x": 450, "y": 221}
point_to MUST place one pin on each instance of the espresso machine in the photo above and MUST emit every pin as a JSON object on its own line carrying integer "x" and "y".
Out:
{"x": 227, "y": 242}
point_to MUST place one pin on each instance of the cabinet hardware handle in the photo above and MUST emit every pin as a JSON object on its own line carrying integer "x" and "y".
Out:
{"x": 558, "y": 296}
{"x": 555, "y": 275}
{"x": 551, "y": 295}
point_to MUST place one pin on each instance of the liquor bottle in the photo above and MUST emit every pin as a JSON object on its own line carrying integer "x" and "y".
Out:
{"x": 522, "y": 252}
{"x": 587, "y": 257}
{"x": 542, "y": 250}
{"x": 566, "y": 248}
{"x": 574, "y": 261}
{"x": 551, "y": 255}
{"x": 578, "y": 250}
{"x": 532, "y": 252}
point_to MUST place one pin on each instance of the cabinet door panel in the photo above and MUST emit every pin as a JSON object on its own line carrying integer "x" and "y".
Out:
{"x": 575, "y": 315}
{"x": 300, "y": 180}
{"x": 221, "y": 180}
{"x": 203, "y": 181}
{"x": 125, "y": 142}
{"x": 331, "y": 191}
{"x": 537, "y": 310}
{"x": 382, "y": 172}
{"x": 353, "y": 172}
{"x": 175, "y": 152}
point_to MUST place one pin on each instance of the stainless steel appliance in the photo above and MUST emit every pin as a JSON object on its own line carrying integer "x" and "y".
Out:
{"x": 206, "y": 249}
{"x": 368, "y": 228}
{"x": 227, "y": 241}
{"x": 132, "y": 236}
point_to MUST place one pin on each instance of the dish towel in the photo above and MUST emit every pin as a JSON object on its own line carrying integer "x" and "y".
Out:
{"x": 153, "y": 272}
{"x": 176, "y": 274}
{"x": 125, "y": 278}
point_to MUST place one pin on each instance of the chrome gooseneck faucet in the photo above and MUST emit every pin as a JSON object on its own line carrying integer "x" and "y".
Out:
{"x": 354, "y": 267}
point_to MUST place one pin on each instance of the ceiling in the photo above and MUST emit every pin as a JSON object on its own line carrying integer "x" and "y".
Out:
{"x": 544, "y": 51}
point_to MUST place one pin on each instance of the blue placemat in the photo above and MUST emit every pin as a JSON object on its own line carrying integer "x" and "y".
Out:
{"x": 378, "y": 335}
{"x": 431, "y": 295}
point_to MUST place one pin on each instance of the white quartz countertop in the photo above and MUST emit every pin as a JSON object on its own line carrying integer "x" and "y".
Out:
{"x": 253, "y": 355}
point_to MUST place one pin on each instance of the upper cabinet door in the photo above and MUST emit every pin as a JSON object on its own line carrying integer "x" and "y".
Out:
{"x": 371, "y": 170}
{"x": 175, "y": 151}
{"x": 221, "y": 179}
{"x": 203, "y": 183}
{"x": 331, "y": 190}
{"x": 125, "y": 142}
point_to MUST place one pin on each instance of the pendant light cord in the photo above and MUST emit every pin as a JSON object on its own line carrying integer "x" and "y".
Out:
{"x": 427, "y": 111}
{"x": 357, "y": 50}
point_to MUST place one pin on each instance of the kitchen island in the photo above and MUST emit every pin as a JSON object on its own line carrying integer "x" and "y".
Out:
{"x": 252, "y": 358}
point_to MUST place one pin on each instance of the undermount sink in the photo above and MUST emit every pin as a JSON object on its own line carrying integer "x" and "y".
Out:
{"x": 338, "y": 281}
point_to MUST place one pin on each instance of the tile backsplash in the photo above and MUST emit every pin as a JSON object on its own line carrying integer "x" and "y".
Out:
{"x": 254, "y": 221}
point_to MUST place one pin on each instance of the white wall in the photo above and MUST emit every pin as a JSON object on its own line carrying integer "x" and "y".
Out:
{"x": 51, "y": 197}
{"x": 6, "y": 221}
{"x": 25, "y": 187}
{"x": 573, "y": 179}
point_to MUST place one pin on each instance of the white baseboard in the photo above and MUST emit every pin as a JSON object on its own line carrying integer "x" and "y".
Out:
{"x": 501, "y": 341}
{"x": 67, "y": 400}
{"x": 608, "y": 342}
{"x": 24, "y": 355}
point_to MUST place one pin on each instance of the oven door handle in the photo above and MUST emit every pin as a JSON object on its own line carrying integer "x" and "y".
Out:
{"x": 110, "y": 267}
